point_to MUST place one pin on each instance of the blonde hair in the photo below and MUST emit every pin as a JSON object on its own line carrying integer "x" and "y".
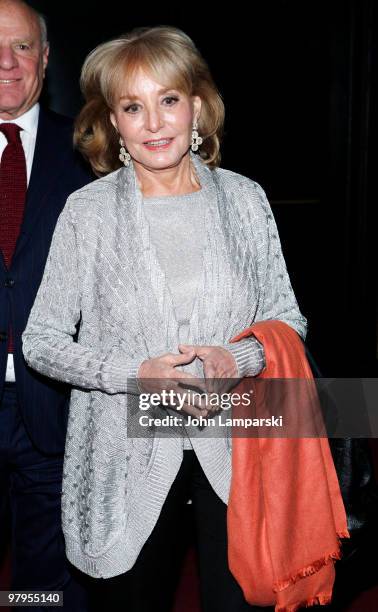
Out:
{"x": 169, "y": 56}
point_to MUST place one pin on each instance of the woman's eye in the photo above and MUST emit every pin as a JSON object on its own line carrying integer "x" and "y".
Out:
{"x": 132, "y": 108}
{"x": 170, "y": 100}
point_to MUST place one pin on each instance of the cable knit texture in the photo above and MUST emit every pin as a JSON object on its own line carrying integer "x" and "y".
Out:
{"x": 102, "y": 270}
{"x": 177, "y": 232}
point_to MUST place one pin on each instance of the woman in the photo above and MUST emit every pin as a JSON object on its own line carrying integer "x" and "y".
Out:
{"x": 162, "y": 262}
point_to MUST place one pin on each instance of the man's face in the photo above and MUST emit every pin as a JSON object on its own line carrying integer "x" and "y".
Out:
{"x": 22, "y": 59}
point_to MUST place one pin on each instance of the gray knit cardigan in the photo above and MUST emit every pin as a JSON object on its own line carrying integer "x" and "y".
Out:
{"x": 102, "y": 270}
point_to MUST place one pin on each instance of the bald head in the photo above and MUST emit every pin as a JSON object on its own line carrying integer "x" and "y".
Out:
{"x": 33, "y": 15}
{"x": 23, "y": 58}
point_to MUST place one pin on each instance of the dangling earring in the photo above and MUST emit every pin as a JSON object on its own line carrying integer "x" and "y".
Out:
{"x": 196, "y": 139}
{"x": 124, "y": 156}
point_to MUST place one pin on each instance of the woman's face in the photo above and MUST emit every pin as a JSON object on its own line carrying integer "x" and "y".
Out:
{"x": 155, "y": 122}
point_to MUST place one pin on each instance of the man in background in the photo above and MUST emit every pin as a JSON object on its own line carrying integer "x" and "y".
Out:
{"x": 38, "y": 171}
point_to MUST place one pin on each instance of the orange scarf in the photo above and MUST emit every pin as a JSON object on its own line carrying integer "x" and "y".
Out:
{"x": 285, "y": 513}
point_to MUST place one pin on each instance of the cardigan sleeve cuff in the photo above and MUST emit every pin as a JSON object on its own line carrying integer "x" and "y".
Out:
{"x": 120, "y": 376}
{"x": 249, "y": 356}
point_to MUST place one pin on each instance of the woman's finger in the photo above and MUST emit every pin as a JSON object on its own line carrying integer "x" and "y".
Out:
{"x": 182, "y": 359}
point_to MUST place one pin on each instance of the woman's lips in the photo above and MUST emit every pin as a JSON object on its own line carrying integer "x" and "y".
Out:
{"x": 158, "y": 145}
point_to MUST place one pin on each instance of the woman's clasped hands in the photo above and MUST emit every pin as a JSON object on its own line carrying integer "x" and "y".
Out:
{"x": 164, "y": 374}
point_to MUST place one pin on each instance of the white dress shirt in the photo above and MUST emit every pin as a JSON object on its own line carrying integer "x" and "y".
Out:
{"x": 29, "y": 124}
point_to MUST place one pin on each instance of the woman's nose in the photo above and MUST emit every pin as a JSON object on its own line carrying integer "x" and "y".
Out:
{"x": 154, "y": 120}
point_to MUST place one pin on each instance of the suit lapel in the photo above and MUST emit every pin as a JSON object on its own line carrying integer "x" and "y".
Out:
{"x": 47, "y": 163}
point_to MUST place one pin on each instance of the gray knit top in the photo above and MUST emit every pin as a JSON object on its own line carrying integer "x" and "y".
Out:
{"x": 177, "y": 232}
{"x": 102, "y": 271}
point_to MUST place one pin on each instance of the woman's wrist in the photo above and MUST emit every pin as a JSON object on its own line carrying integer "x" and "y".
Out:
{"x": 249, "y": 356}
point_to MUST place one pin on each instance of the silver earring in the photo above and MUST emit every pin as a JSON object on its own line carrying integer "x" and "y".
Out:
{"x": 196, "y": 139}
{"x": 124, "y": 156}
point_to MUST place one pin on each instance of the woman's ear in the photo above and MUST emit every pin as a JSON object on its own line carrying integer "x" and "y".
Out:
{"x": 197, "y": 104}
{"x": 113, "y": 121}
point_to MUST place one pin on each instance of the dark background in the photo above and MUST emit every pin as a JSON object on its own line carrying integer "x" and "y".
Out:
{"x": 299, "y": 84}
{"x": 299, "y": 81}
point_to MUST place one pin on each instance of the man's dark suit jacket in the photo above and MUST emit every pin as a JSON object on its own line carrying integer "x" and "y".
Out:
{"x": 57, "y": 171}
